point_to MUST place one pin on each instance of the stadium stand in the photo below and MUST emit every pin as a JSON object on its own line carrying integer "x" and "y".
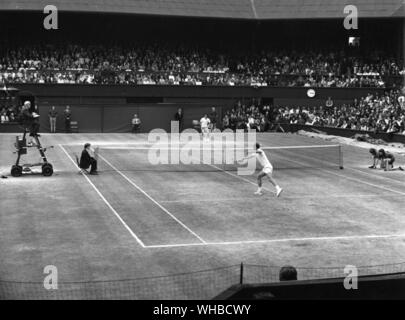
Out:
{"x": 384, "y": 113}
{"x": 185, "y": 65}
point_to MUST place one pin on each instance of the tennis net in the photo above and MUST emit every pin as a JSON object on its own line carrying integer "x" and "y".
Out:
{"x": 178, "y": 159}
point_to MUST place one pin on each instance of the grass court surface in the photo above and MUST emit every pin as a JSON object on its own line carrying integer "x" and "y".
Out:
{"x": 160, "y": 228}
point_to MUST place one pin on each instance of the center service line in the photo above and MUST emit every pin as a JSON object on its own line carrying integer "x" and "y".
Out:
{"x": 105, "y": 200}
{"x": 153, "y": 200}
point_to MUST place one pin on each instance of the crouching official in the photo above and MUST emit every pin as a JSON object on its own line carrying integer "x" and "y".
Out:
{"x": 385, "y": 158}
{"x": 87, "y": 160}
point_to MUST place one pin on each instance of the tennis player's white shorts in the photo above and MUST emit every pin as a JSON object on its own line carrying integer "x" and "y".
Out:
{"x": 268, "y": 170}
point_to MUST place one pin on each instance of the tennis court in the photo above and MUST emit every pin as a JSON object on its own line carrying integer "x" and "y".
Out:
{"x": 135, "y": 221}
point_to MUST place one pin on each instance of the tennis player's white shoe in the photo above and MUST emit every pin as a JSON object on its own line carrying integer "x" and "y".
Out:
{"x": 259, "y": 193}
{"x": 278, "y": 191}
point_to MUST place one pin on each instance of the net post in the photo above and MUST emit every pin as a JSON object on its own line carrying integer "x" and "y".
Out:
{"x": 241, "y": 273}
{"x": 340, "y": 157}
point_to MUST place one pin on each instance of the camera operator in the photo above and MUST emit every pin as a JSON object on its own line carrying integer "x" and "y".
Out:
{"x": 30, "y": 120}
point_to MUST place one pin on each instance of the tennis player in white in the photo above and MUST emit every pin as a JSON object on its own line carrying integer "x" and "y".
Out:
{"x": 204, "y": 122}
{"x": 267, "y": 170}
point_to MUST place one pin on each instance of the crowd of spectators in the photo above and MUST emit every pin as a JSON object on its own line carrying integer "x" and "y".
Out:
{"x": 247, "y": 117}
{"x": 7, "y": 114}
{"x": 376, "y": 113}
{"x": 188, "y": 65}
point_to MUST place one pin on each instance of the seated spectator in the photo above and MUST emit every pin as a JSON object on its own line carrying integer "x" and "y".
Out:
{"x": 11, "y": 114}
{"x": 288, "y": 273}
{"x": 251, "y": 125}
{"x": 329, "y": 103}
{"x": 225, "y": 122}
{"x": 136, "y": 124}
{"x": 3, "y": 116}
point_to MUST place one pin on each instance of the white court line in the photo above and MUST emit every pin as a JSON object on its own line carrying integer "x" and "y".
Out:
{"x": 351, "y": 178}
{"x": 204, "y": 243}
{"x": 210, "y": 147}
{"x": 354, "y": 169}
{"x": 377, "y": 176}
{"x": 153, "y": 200}
{"x": 140, "y": 145}
{"x": 237, "y": 176}
{"x": 358, "y": 237}
{"x": 364, "y": 182}
{"x": 105, "y": 200}
{"x": 357, "y": 170}
{"x": 286, "y": 197}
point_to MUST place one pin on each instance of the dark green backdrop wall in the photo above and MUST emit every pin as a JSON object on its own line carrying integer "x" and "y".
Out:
{"x": 107, "y": 118}
{"x": 110, "y": 108}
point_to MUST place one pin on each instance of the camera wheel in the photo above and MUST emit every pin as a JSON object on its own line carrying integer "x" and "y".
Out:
{"x": 47, "y": 170}
{"x": 16, "y": 171}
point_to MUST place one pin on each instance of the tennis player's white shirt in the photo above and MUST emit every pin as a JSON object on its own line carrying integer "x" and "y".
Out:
{"x": 205, "y": 122}
{"x": 264, "y": 161}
